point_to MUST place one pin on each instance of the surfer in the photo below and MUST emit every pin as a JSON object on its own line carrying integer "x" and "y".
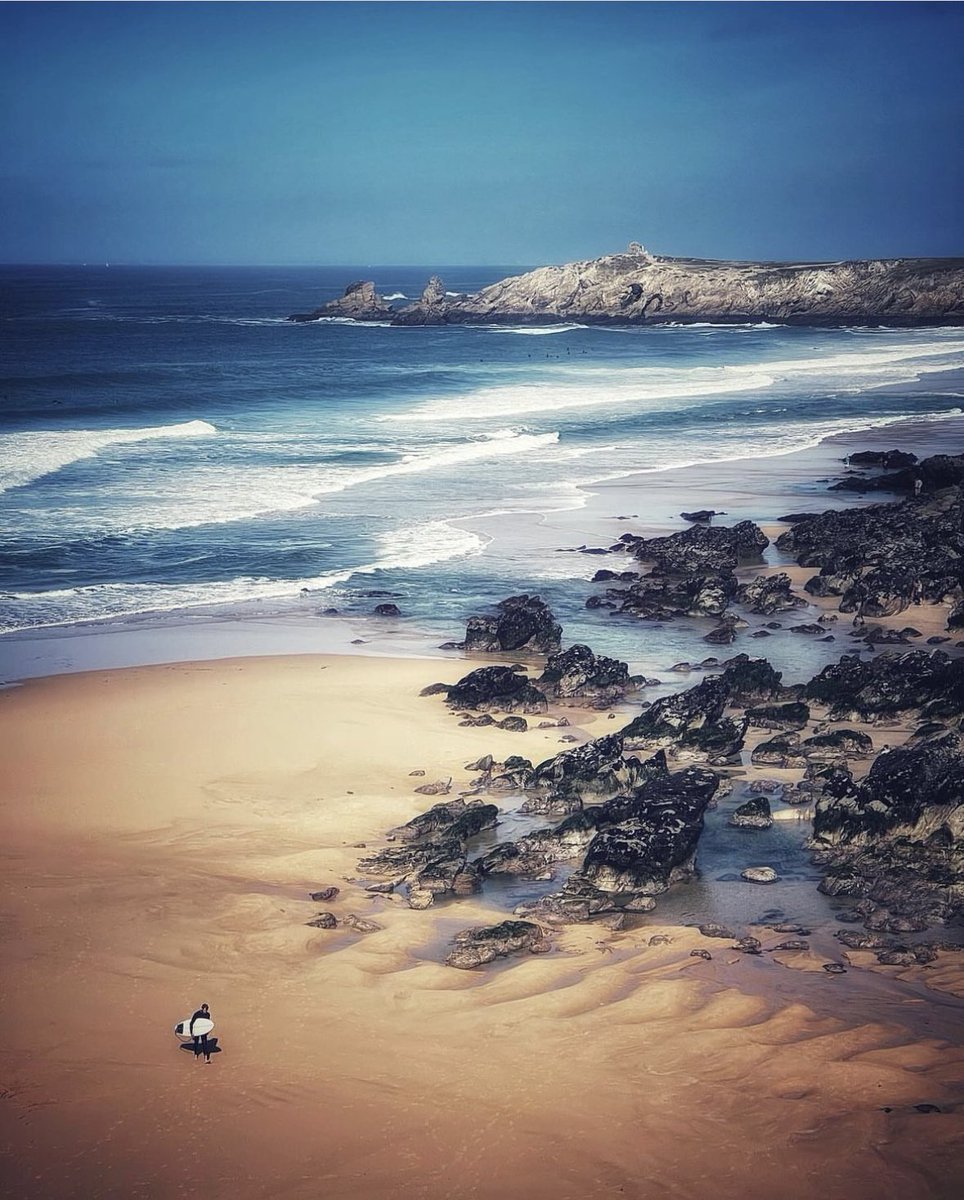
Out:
{"x": 201, "y": 1039}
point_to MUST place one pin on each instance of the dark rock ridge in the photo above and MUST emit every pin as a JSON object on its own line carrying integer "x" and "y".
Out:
{"x": 637, "y": 287}
{"x": 897, "y": 838}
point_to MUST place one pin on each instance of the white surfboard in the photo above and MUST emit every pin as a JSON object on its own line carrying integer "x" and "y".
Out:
{"x": 201, "y": 1025}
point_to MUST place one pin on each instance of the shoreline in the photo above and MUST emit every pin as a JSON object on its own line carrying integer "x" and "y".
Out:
{"x": 758, "y": 489}
{"x": 163, "y": 828}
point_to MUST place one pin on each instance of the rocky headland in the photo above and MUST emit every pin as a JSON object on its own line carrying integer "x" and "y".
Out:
{"x": 640, "y": 288}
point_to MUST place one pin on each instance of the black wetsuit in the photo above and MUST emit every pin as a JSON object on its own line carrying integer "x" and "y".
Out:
{"x": 200, "y": 1039}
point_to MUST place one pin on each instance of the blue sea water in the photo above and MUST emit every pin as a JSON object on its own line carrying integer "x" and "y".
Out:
{"x": 169, "y": 440}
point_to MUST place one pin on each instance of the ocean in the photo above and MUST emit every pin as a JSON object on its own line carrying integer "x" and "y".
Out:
{"x": 171, "y": 445}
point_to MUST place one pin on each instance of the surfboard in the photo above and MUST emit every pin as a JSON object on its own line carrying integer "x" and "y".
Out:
{"x": 201, "y": 1025}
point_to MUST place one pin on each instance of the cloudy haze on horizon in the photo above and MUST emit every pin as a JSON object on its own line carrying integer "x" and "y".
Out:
{"x": 478, "y": 133}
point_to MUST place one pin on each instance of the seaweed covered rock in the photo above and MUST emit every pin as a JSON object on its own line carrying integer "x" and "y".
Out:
{"x": 897, "y": 838}
{"x": 485, "y": 943}
{"x": 502, "y": 689}
{"x": 523, "y": 623}
{"x": 837, "y": 743}
{"x": 578, "y": 676}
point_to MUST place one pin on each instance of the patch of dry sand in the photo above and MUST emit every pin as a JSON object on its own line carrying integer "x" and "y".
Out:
{"x": 161, "y": 830}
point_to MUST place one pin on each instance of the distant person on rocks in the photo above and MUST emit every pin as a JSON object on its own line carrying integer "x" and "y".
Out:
{"x": 918, "y": 486}
{"x": 201, "y": 1040}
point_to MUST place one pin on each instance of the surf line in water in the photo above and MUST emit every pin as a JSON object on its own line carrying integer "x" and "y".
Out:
{"x": 25, "y": 457}
{"x": 580, "y": 387}
{"x": 408, "y": 548}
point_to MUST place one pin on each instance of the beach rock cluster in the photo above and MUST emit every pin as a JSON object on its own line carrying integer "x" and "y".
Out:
{"x": 639, "y": 287}
{"x": 897, "y": 838}
{"x": 884, "y": 557}
{"x": 522, "y": 623}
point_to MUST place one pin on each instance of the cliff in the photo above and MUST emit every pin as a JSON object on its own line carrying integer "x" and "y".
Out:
{"x": 637, "y": 287}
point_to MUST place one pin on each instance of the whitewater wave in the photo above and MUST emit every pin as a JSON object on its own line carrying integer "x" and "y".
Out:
{"x": 26, "y": 457}
{"x": 583, "y": 386}
{"x": 408, "y": 548}
{"x": 535, "y": 330}
{"x": 395, "y": 296}
{"x": 219, "y": 492}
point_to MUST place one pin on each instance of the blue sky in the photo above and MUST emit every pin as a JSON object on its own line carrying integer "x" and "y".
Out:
{"x": 478, "y": 132}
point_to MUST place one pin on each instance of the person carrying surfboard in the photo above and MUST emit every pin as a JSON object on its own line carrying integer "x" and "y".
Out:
{"x": 201, "y": 1039}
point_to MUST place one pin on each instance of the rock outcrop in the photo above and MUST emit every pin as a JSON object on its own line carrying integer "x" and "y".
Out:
{"x": 578, "y": 676}
{"x": 522, "y": 623}
{"x": 496, "y": 689}
{"x": 641, "y": 288}
{"x": 897, "y": 838}
{"x": 359, "y": 303}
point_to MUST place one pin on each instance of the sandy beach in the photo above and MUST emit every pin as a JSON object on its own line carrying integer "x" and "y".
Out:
{"x": 162, "y": 828}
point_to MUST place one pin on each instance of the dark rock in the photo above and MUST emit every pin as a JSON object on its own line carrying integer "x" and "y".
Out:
{"x": 387, "y": 610}
{"x": 453, "y": 819}
{"x": 749, "y": 945}
{"x": 895, "y": 838}
{"x": 792, "y": 944}
{"x": 513, "y": 724}
{"x": 704, "y": 954}
{"x": 477, "y": 722}
{"x": 834, "y": 968}
{"x": 789, "y": 717}
{"x": 483, "y": 944}
{"x": 889, "y": 460}
{"x": 326, "y": 894}
{"x": 503, "y": 689}
{"x": 927, "y": 1108}
{"x": 769, "y": 594}
{"x": 668, "y": 718}
{"x": 781, "y": 751}
{"x": 754, "y": 814}
{"x": 810, "y": 629}
{"x": 577, "y": 675}
{"x": 435, "y": 689}
{"x": 597, "y": 768}
{"x": 838, "y": 743}
{"x": 712, "y": 930}
{"x": 703, "y": 549}
{"x": 890, "y": 685}
{"x": 325, "y": 920}
{"x": 753, "y": 681}
{"x": 441, "y": 787}
{"x": 523, "y": 623}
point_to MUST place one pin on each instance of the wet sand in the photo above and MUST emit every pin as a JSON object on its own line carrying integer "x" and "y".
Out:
{"x": 162, "y": 828}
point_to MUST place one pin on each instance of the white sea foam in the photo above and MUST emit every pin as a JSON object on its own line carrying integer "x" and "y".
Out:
{"x": 405, "y": 549}
{"x": 220, "y": 492}
{"x": 576, "y": 386}
{"x": 395, "y": 296}
{"x": 25, "y": 457}
{"x": 534, "y": 330}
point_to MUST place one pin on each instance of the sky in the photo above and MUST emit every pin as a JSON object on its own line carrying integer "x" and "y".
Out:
{"x": 478, "y": 133}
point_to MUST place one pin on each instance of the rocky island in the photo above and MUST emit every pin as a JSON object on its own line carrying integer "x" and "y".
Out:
{"x": 637, "y": 287}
